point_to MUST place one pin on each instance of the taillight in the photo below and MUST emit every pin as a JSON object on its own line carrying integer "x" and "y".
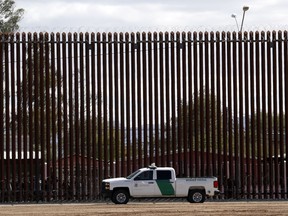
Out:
{"x": 215, "y": 184}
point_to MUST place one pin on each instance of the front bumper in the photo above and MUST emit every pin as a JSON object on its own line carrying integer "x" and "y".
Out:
{"x": 106, "y": 193}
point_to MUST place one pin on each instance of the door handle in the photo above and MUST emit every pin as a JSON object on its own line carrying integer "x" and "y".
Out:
{"x": 150, "y": 182}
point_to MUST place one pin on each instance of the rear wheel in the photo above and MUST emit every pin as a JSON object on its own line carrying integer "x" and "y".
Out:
{"x": 120, "y": 197}
{"x": 196, "y": 196}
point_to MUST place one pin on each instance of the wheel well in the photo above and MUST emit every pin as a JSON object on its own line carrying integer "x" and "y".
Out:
{"x": 197, "y": 188}
{"x": 122, "y": 188}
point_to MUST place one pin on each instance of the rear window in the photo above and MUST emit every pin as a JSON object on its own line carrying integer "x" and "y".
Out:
{"x": 163, "y": 174}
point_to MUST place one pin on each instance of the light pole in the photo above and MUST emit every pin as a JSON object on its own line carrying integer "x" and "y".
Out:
{"x": 234, "y": 16}
{"x": 245, "y": 8}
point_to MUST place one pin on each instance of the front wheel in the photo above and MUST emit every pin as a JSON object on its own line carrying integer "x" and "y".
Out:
{"x": 196, "y": 196}
{"x": 120, "y": 197}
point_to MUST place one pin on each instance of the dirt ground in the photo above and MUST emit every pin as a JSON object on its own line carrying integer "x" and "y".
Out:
{"x": 147, "y": 209}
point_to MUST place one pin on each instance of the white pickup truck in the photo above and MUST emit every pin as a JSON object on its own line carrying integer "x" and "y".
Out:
{"x": 159, "y": 182}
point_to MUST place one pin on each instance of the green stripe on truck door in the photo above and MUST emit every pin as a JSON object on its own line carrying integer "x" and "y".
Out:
{"x": 165, "y": 187}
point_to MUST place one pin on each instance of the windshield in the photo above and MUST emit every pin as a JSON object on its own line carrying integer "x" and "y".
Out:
{"x": 133, "y": 174}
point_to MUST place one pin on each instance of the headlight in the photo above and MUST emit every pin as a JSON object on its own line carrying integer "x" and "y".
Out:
{"x": 107, "y": 186}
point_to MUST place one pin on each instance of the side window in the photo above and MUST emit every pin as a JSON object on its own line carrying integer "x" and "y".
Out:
{"x": 163, "y": 174}
{"x": 147, "y": 175}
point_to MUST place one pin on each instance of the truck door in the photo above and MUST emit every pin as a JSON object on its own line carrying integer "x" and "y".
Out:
{"x": 165, "y": 185}
{"x": 143, "y": 184}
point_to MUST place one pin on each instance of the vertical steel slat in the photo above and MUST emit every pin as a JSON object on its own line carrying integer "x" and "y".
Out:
{"x": 13, "y": 117}
{"x": 241, "y": 113}
{"x": 258, "y": 110}
{"x": 191, "y": 143}
{"x": 116, "y": 95}
{"x": 48, "y": 68}
{"x": 167, "y": 98}
{"x": 150, "y": 99}
{"x": 173, "y": 109}
{"x": 29, "y": 191}
{"x": 143, "y": 80}
{"x": 2, "y": 57}
{"x": 223, "y": 68}
{"x": 82, "y": 139}
{"x": 264, "y": 115}
{"x": 99, "y": 105}
{"x": 253, "y": 138}
{"x": 184, "y": 103}
{"x": 202, "y": 110}
{"x": 235, "y": 112}
{"x": 179, "y": 113}
{"x": 207, "y": 103}
{"x": 220, "y": 84}
{"x": 7, "y": 117}
{"x": 43, "y": 123}
{"x": 25, "y": 117}
{"x": 71, "y": 118}
{"x": 94, "y": 157}
{"x": 269, "y": 96}
{"x": 38, "y": 106}
{"x": 51, "y": 99}
{"x": 133, "y": 101}
{"x": 31, "y": 137}
{"x": 32, "y": 128}
{"x": 196, "y": 106}
{"x": 139, "y": 99}
{"x": 281, "y": 115}
{"x": 229, "y": 89}
{"x": 111, "y": 107}
{"x": 286, "y": 104}
{"x": 63, "y": 184}
{"x": 275, "y": 114}
{"x": 19, "y": 119}
{"x": 156, "y": 96}
{"x": 144, "y": 106}
{"x": 212, "y": 160}
{"x": 122, "y": 111}
{"x": 50, "y": 107}
{"x": 162, "y": 145}
{"x": 128, "y": 101}
{"x": 76, "y": 114}
{"x": 105, "y": 108}
{"x": 62, "y": 120}
{"x": 88, "y": 151}
{"x": 71, "y": 149}
{"x": 246, "y": 154}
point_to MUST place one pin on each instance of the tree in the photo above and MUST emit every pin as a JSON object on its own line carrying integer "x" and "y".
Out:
{"x": 9, "y": 16}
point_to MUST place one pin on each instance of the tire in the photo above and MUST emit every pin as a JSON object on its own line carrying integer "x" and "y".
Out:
{"x": 196, "y": 196}
{"x": 120, "y": 197}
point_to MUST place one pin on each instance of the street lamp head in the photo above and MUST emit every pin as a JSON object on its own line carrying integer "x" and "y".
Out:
{"x": 233, "y": 15}
{"x": 245, "y": 8}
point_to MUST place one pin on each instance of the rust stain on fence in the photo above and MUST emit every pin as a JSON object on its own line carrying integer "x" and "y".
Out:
{"x": 78, "y": 108}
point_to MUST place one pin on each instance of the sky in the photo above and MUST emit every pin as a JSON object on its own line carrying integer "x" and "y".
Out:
{"x": 151, "y": 15}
